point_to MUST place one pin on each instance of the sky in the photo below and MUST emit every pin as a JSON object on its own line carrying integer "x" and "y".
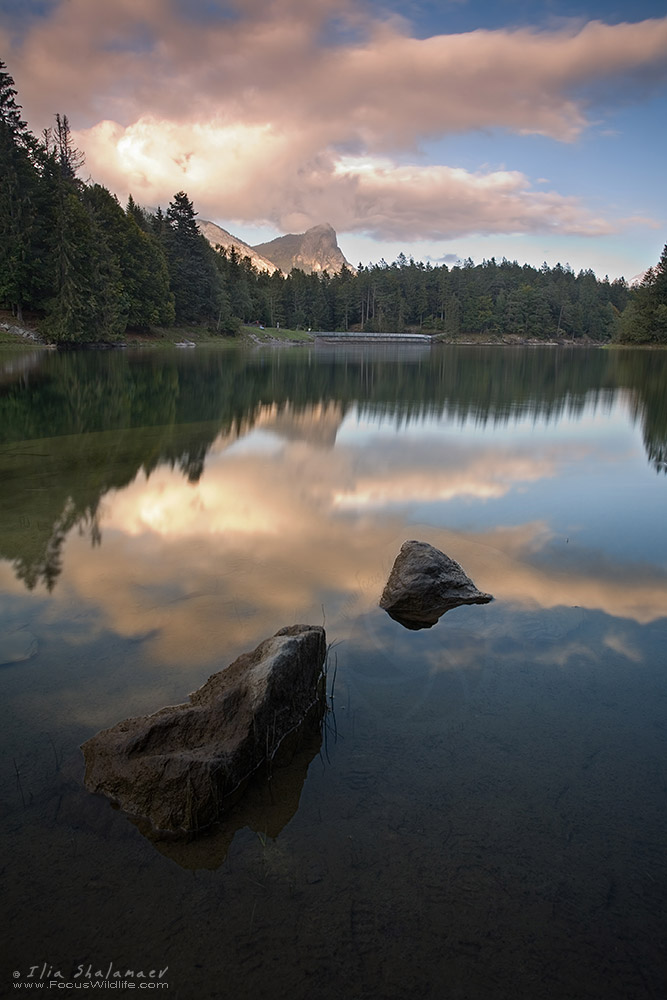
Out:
{"x": 443, "y": 129}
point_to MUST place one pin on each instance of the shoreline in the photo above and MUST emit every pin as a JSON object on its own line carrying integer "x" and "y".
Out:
{"x": 22, "y": 336}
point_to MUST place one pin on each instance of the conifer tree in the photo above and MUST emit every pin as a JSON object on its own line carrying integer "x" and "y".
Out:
{"x": 645, "y": 318}
{"x": 140, "y": 215}
{"x": 19, "y": 181}
{"x": 86, "y": 301}
{"x": 194, "y": 276}
{"x": 144, "y": 277}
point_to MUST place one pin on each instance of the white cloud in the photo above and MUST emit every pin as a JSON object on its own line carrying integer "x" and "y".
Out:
{"x": 260, "y": 120}
{"x": 254, "y": 172}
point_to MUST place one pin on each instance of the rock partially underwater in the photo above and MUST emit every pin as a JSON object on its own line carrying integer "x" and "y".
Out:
{"x": 181, "y": 767}
{"x": 424, "y": 583}
{"x": 266, "y": 807}
{"x": 17, "y": 645}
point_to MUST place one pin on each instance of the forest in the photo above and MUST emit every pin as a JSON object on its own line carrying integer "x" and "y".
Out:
{"x": 89, "y": 270}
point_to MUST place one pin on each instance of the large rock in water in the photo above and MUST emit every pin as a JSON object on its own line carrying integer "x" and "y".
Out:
{"x": 424, "y": 583}
{"x": 181, "y": 766}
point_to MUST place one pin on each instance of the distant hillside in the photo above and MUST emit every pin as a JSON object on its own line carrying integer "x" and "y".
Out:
{"x": 220, "y": 237}
{"x": 316, "y": 250}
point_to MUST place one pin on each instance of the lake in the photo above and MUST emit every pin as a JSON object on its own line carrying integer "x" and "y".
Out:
{"x": 484, "y": 814}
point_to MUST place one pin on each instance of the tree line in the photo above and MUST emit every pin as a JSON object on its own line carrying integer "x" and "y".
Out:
{"x": 644, "y": 320}
{"x": 91, "y": 269}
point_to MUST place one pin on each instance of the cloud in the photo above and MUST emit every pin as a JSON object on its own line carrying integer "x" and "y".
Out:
{"x": 447, "y": 258}
{"x": 251, "y": 172}
{"x": 443, "y": 202}
{"x": 193, "y": 568}
{"x": 291, "y": 113}
{"x": 435, "y": 473}
{"x": 197, "y": 572}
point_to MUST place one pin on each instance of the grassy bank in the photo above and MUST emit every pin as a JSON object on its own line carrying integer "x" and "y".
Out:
{"x": 28, "y": 335}
{"x": 201, "y": 337}
{"x": 20, "y": 335}
{"x": 274, "y": 335}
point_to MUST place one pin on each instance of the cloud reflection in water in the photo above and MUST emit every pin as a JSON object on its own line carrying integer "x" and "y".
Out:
{"x": 284, "y": 522}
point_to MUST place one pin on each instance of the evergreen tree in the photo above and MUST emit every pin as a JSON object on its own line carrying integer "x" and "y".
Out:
{"x": 86, "y": 301}
{"x": 69, "y": 159}
{"x": 19, "y": 180}
{"x": 194, "y": 276}
{"x": 645, "y": 317}
{"x": 158, "y": 226}
{"x": 274, "y": 293}
{"x": 344, "y": 294}
{"x": 140, "y": 215}
{"x": 140, "y": 259}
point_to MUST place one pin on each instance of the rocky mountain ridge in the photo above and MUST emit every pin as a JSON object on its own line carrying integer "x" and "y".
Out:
{"x": 217, "y": 236}
{"x": 316, "y": 250}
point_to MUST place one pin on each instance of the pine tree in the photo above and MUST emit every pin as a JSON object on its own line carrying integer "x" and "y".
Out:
{"x": 69, "y": 158}
{"x": 146, "y": 298}
{"x": 19, "y": 181}
{"x": 645, "y": 317}
{"x": 194, "y": 276}
{"x": 140, "y": 215}
{"x": 86, "y": 301}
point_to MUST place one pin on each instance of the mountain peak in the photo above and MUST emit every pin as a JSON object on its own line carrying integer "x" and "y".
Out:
{"x": 322, "y": 227}
{"x": 315, "y": 250}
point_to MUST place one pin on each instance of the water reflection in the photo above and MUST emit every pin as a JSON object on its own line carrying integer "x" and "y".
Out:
{"x": 267, "y": 806}
{"x": 296, "y": 514}
{"x": 293, "y": 508}
{"x": 75, "y": 427}
{"x": 496, "y": 783}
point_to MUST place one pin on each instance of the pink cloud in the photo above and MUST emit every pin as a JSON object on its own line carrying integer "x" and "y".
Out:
{"x": 254, "y": 172}
{"x": 249, "y": 114}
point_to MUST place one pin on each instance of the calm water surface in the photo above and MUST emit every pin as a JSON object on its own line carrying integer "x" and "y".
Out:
{"x": 485, "y": 813}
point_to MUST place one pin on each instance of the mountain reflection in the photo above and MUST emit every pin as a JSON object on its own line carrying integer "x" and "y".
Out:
{"x": 234, "y": 446}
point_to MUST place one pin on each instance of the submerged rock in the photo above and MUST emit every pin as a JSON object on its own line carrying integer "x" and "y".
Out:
{"x": 265, "y": 807}
{"x": 182, "y": 766}
{"x": 16, "y": 645}
{"x": 424, "y": 583}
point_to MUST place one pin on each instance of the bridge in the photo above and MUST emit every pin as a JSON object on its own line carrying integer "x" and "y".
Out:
{"x": 374, "y": 338}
